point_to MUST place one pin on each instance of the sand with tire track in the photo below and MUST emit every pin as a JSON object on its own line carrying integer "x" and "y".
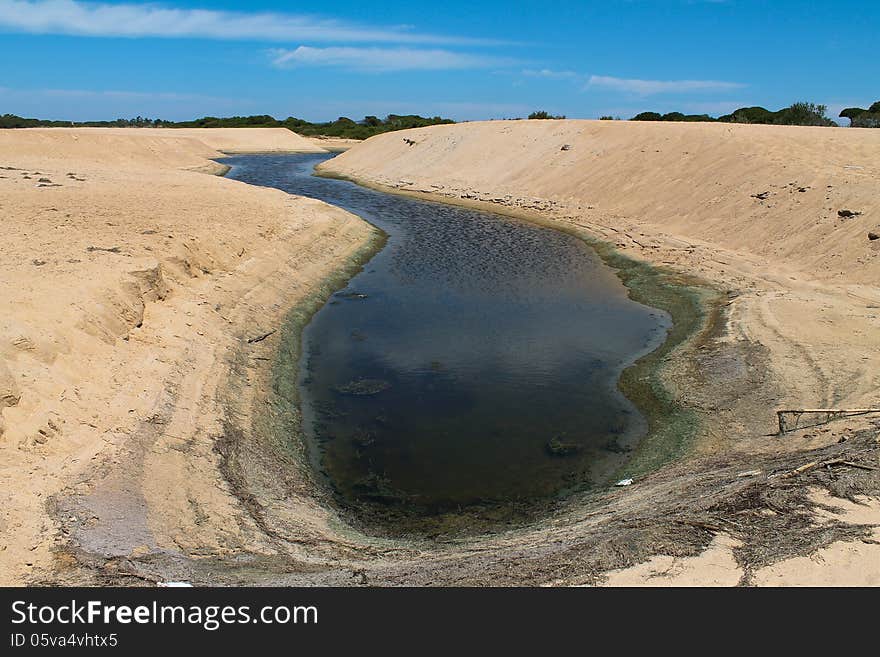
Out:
{"x": 127, "y": 278}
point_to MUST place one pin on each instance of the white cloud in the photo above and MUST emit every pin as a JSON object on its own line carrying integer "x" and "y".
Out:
{"x": 651, "y": 87}
{"x": 382, "y": 59}
{"x": 72, "y": 17}
{"x": 551, "y": 74}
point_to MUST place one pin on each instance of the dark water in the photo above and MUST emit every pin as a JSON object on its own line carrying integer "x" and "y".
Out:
{"x": 470, "y": 369}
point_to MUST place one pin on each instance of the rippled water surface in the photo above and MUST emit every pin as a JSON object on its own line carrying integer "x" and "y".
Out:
{"x": 471, "y": 366}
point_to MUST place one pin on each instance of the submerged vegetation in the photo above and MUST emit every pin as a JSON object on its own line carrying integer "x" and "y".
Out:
{"x": 341, "y": 127}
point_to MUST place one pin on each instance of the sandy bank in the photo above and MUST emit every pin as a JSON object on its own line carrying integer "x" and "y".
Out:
{"x": 334, "y": 144}
{"x": 226, "y": 140}
{"x": 757, "y": 211}
{"x": 130, "y": 283}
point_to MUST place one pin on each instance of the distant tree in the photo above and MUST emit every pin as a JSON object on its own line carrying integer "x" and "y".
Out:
{"x": 748, "y": 115}
{"x": 647, "y": 116}
{"x": 867, "y": 120}
{"x": 699, "y": 118}
{"x": 851, "y": 113}
{"x": 541, "y": 114}
{"x": 861, "y": 118}
{"x": 13, "y": 121}
{"x": 606, "y": 117}
{"x": 341, "y": 127}
{"x": 803, "y": 113}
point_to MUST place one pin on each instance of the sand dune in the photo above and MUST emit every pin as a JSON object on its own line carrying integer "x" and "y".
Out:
{"x": 777, "y": 217}
{"x": 127, "y": 279}
{"x": 699, "y": 180}
{"x": 227, "y": 140}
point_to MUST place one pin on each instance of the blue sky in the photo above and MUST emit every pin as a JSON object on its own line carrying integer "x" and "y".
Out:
{"x": 466, "y": 60}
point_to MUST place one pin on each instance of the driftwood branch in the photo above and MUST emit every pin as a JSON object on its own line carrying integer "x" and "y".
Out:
{"x": 812, "y": 465}
{"x": 261, "y": 337}
{"x": 830, "y": 414}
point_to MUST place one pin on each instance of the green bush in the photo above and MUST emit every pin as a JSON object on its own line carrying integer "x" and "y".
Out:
{"x": 647, "y": 116}
{"x": 802, "y": 113}
{"x": 748, "y": 115}
{"x": 541, "y": 114}
{"x": 866, "y": 120}
{"x": 863, "y": 118}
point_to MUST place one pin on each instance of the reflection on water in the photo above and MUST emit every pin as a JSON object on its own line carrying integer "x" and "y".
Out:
{"x": 471, "y": 366}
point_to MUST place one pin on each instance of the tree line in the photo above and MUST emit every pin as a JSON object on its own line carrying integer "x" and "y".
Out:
{"x": 341, "y": 127}
{"x": 863, "y": 118}
{"x": 802, "y": 113}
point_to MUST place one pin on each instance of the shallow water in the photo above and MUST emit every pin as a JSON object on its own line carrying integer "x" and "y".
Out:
{"x": 470, "y": 369}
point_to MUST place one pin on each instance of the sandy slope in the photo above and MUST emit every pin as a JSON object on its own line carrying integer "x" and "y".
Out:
{"x": 227, "y": 140}
{"x": 334, "y": 144}
{"x": 696, "y": 180}
{"x": 752, "y": 209}
{"x": 127, "y": 278}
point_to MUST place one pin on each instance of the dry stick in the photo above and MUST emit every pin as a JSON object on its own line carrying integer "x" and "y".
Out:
{"x": 112, "y": 249}
{"x": 636, "y": 241}
{"x": 857, "y": 465}
{"x": 837, "y": 411}
{"x": 804, "y": 468}
{"x": 700, "y": 524}
{"x": 261, "y": 337}
{"x": 812, "y": 465}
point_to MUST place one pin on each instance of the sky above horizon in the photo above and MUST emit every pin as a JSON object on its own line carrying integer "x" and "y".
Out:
{"x": 177, "y": 60}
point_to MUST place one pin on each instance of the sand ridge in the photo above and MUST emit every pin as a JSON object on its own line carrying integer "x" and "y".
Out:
{"x": 129, "y": 277}
{"x": 226, "y": 140}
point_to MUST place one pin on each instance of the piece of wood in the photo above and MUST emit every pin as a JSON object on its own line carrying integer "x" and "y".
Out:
{"x": 812, "y": 465}
{"x": 260, "y": 337}
{"x": 700, "y": 524}
{"x": 806, "y": 467}
{"x": 843, "y": 412}
{"x": 857, "y": 465}
{"x": 829, "y": 410}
